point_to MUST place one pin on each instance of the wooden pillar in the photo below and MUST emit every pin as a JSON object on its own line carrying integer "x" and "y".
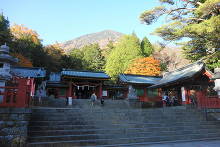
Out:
{"x": 70, "y": 90}
{"x": 22, "y": 93}
{"x": 145, "y": 95}
{"x": 100, "y": 90}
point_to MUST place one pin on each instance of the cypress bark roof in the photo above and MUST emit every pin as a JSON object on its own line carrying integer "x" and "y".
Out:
{"x": 180, "y": 74}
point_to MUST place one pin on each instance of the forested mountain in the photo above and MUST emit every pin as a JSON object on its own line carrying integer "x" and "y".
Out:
{"x": 101, "y": 38}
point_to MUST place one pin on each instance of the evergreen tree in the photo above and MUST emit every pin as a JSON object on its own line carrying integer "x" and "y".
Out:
{"x": 146, "y": 47}
{"x": 197, "y": 20}
{"x": 75, "y": 60}
{"x": 54, "y": 53}
{"x": 125, "y": 51}
{"x": 93, "y": 59}
{"x": 5, "y": 36}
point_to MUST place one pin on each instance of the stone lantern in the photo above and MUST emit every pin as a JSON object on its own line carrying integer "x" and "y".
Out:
{"x": 217, "y": 80}
{"x": 5, "y": 63}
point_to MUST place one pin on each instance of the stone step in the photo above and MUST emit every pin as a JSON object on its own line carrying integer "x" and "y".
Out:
{"x": 86, "y": 114}
{"x": 127, "y": 140}
{"x": 174, "y": 123}
{"x": 80, "y": 121}
{"x": 158, "y": 110}
{"x": 89, "y": 112}
{"x": 65, "y": 137}
{"x": 108, "y": 117}
{"x": 144, "y": 127}
{"x": 126, "y": 124}
{"x": 129, "y": 131}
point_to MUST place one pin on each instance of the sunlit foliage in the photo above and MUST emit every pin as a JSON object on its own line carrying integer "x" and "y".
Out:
{"x": 147, "y": 66}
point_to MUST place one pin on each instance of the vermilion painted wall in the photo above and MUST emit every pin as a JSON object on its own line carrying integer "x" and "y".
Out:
{"x": 18, "y": 96}
{"x": 146, "y": 98}
{"x": 207, "y": 102}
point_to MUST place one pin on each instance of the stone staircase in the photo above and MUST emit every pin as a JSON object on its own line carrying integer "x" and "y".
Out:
{"x": 107, "y": 126}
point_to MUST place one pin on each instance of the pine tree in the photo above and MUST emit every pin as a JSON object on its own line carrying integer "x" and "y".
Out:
{"x": 196, "y": 20}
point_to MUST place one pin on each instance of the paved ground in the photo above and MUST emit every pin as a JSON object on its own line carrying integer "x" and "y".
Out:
{"x": 210, "y": 143}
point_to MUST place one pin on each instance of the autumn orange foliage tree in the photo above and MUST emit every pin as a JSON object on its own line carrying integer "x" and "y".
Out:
{"x": 144, "y": 66}
{"x": 22, "y": 61}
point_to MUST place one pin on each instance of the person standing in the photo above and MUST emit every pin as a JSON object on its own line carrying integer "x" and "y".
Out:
{"x": 165, "y": 99}
{"x": 102, "y": 101}
{"x": 39, "y": 95}
{"x": 93, "y": 98}
{"x": 193, "y": 99}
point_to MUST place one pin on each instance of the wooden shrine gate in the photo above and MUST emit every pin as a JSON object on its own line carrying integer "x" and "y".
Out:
{"x": 18, "y": 94}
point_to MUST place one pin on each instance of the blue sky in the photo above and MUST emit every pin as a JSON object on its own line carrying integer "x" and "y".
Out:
{"x": 62, "y": 20}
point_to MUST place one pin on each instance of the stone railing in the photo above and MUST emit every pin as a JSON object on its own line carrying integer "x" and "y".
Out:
{"x": 13, "y": 126}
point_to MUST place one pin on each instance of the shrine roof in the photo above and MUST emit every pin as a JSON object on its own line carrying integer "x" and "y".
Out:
{"x": 85, "y": 74}
{"x": 33, "y": 72}
{"x": 138, "y": 79}
{"x": 55, "y": 77}
{"x": 180, "y": 74}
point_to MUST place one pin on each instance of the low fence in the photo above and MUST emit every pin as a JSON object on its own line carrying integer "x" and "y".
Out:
{"x": 207, "y": 102}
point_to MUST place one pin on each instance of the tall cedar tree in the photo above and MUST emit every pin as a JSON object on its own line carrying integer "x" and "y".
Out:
{"x": 76, "y": 59}
{"x": 126, "y": 50}
{"x": 5, "y": 36}
{"x": 93, "y": 59}
{"x": 197, "y": 20}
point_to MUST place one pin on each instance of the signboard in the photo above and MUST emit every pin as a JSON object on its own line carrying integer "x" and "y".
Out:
{"x": 104, "y": 93}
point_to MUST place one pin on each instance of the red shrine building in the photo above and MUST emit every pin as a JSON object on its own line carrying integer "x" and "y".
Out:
{"x": 81, "y": 84}
{"x": 76, "y": 84}
{"x": 192, "y": 79}
{"x": 17, "y": 84}
{"x": 140, "y": 85}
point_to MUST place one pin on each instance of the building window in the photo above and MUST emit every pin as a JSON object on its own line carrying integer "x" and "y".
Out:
{"x": 152, "y": 92}
{"x": 140, "y": 92}
{"x": 62, "y": 92}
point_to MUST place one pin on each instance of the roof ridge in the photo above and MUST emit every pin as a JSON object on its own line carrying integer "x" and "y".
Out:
{"x": 82, "y": 71}
{"x": 185, "y": 67}
{"x": 28, "y": 67}
{"x": 136, "y": 75}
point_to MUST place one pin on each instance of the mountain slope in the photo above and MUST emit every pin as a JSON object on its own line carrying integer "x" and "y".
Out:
{"x": 102, "y": 38}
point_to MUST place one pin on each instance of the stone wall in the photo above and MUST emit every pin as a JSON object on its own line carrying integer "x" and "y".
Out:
{"x": 13, "y": 126}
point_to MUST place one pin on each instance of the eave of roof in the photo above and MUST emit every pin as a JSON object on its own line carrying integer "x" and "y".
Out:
{"x": 56, "y": 84}
{"x": 138, "y": 79}
{"x": 33, "y": 72}
{"x": 84, "y": 74}
{"x": 180, "y": 74}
